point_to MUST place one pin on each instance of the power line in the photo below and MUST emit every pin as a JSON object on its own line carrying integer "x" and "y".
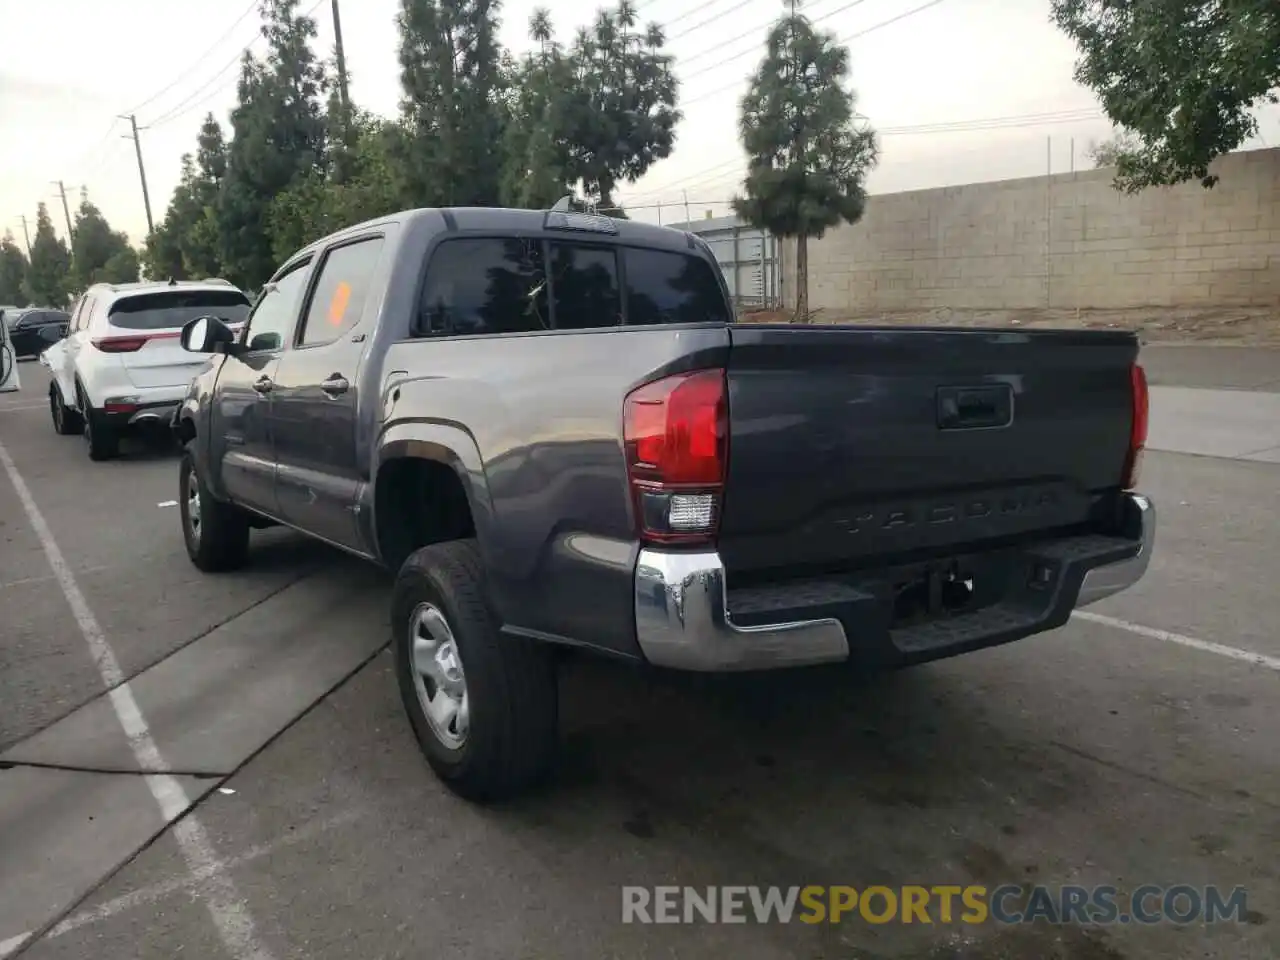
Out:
{"x": 191, "y": 102}
{"x": 198, "y": 60}
{"x": 708, "y": 176}
{"x": 738, "y": 56}
{"x": 846, "y": 39}
{"x": 710, "y": 20}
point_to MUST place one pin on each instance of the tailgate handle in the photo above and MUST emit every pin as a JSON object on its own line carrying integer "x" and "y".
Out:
{"x": 975, "y": 408}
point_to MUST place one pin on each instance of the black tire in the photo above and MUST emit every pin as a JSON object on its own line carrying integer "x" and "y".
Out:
{"x": 511, "y": 684}
{"x": 219, "y": 539}
{"x": 100, "y": 439}
{"x": 66, "y": 420}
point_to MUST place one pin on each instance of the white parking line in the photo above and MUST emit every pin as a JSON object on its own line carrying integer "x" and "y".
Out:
{"x": 18, "y": 408}
{"x": 1232, "y": 653}
{"x": 227, "y": 908}
{"x": 157, "y": 891}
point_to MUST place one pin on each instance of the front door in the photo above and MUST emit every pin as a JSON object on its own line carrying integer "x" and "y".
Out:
{"x": 241, "y": 443}
{"x": 315, "y": 398}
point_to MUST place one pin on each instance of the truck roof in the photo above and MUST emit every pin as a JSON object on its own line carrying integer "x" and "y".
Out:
{"x": 502, "y": 219}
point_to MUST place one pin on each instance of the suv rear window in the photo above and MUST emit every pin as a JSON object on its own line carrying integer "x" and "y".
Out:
{"x": 170, "y": 309}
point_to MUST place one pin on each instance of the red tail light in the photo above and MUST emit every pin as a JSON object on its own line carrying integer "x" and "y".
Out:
{"x": 676, "y": 436}
{"x": 1138, "y": 431}
{"x": 131, "y": 343}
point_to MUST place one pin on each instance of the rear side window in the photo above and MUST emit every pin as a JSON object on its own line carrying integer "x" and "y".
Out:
{"x": 170, "y": 309}
{"x": 484, "y": 286}
{"x": 664, "y": 287}
{"x": 341, "y": 291}
{"x": 585, "y": 285}
{"x": 500, "y": 285}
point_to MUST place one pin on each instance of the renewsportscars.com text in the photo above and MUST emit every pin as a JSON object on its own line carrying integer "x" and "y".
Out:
{"x": 942, "y": 904}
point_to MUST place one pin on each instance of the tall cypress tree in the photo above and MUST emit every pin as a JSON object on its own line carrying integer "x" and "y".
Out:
{"x": 807, "y": 158}
{"x": 450, "y": 74}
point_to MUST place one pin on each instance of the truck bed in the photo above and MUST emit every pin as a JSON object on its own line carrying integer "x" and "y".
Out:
{"x": 859, "y": 447}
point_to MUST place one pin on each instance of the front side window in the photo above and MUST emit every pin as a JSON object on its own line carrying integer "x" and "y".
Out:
{"x": 276, "y": 312}
{"x": 341, "y": 290}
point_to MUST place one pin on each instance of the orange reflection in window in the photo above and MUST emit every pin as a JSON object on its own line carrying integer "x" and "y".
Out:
{"x": 338, "y": 305}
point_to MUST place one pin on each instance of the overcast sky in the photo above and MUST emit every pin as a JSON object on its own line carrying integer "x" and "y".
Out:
{"x": 68, "y": 67}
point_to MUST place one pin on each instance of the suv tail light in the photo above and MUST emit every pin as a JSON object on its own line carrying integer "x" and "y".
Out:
{"x": 1138, "y": 430}
{"x": 131, "y": 343}
{"x": 676, "y": 437}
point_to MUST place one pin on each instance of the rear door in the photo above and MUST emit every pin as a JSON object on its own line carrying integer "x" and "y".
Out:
{"x": 144, "y": 330}
{"x": 314, "y": 402}
{"x": 848, "y": 446}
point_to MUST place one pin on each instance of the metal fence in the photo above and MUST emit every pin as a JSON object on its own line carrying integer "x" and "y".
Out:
{"x": 748, "y": 257}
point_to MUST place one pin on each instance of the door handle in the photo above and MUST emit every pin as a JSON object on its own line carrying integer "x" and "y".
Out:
{"x": 335, "y": 386}
{"x": 263, "y": 384}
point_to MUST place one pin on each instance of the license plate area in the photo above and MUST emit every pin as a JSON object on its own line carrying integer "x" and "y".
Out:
{"x": 951, "y": 587}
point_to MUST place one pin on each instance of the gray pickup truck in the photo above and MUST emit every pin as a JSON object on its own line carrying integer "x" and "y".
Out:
{"x": 548, "y": 426}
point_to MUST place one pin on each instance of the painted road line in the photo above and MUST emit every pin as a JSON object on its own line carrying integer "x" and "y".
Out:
{"x": 154, "y": 892}
{"x": 227, "y": 909}
{"x": 145, "y": 896}
{"x": 1168, "y": 636}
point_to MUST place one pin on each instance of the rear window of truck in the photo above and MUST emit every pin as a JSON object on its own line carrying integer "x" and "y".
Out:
{"x": 497, "y": 285}
{"x": 171, "y": 309}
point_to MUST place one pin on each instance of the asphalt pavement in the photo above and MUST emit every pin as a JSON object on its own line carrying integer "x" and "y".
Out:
{"x": 249, "y": 788}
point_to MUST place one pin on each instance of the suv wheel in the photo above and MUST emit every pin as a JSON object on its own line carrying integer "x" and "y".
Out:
{"x": 66, "y": 420}
{"x": 483, "y": 706}
{"x": 101, "y": 440}
{"x": 216, "y": 532}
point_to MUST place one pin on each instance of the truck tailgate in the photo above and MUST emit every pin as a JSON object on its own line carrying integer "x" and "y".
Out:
{"x": 852, "y": 446}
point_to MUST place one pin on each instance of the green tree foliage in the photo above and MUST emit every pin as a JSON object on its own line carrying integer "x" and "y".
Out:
{"x": 98, "y": 253}
{"x": 359, "y": 186}
{"x": 279, "y": 137}
{"x": 47, "y": 275}
{"x": 475, "y": 126}
{"x": 807, "y": 158}
{"x": 452, "y": 106}
{"x": 13, "y": 272}
{"x": 622, "y": 103}
{"x": 1180, "y": 76}
{"x": 186, "y": 244}
{"x": 537, "y": 151}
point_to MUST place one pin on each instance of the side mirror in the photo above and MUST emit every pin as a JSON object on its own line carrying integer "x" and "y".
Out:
{"x": 207, "y": 335}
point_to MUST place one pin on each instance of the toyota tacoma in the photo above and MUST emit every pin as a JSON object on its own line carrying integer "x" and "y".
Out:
{"x": 549, "y": 427}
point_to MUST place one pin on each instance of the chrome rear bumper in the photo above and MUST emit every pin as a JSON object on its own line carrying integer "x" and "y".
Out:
{"x": 683, "y": 620}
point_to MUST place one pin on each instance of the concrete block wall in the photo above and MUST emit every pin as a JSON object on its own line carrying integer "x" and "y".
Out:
{"x": 1066, "y": 241}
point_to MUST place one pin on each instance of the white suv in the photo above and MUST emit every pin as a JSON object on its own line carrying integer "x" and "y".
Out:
{"x": 121, "y": 365}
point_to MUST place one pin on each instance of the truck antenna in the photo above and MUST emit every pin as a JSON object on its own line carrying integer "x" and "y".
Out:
{"x": 563, "y": 205}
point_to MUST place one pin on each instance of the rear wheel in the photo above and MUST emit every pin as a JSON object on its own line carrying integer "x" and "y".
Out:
{"x": 216, "y": 532}
{"x": 66, "y": 420}
{"x": 483, "y": 706}
{"x": 100, "y": 438}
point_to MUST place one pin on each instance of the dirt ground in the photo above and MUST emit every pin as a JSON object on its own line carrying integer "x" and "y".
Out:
{"x": 1252, "y": 326}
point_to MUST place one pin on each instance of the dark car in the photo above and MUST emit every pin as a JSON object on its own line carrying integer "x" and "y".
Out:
{"x": 32, "y": 331}
{"x": 550, "y": 426}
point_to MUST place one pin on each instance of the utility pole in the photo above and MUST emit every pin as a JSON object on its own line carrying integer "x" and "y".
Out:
{"x": 142, "y": 172}
{"x": 66, "y": 211}
{"x": 26, "y": 236}
{"x": 341, "y": 55}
